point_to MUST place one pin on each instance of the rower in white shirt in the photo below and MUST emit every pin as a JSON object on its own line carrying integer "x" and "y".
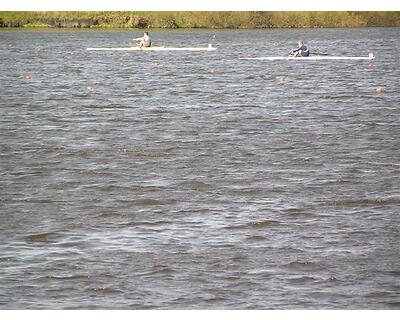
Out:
{"x": 144, "y": 41}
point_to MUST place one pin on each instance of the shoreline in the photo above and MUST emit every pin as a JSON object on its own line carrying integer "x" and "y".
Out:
{"x": 55, "y": 29}
{"x": 230, "y": 20}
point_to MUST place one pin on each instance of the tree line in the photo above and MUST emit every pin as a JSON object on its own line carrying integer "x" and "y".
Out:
{"x": 199, "y": 19}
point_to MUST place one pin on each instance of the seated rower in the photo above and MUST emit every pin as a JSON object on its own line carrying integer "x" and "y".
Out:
{"x": 144, "y": 41}
{"x": 300, "y": 51}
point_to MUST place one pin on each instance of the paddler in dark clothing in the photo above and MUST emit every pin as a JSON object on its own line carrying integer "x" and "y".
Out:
{"x": 300, "y": 51}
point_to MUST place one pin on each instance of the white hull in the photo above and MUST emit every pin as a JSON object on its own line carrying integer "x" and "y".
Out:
{"x": 311, "y": 58}
{"x": 209, "y": 48}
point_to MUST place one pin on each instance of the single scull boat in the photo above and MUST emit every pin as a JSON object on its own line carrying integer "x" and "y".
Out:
{"x": 310, "y": 58}
{"x": 155, "y": 48}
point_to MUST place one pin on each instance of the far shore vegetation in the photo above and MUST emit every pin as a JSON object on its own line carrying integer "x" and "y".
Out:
{"x": 199, "y": 19}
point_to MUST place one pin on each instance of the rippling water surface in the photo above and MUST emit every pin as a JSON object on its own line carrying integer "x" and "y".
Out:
{"x": 178, "y": 180}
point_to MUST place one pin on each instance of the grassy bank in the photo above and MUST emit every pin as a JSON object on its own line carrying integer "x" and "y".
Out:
{"x": 208, "y": 19}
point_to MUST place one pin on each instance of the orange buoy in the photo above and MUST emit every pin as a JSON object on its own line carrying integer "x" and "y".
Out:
{"x": 27, "y": 77}
{"x": 379, "y": 90}
{"x": 213, "y": 71}
{"x": 280, "y": 79}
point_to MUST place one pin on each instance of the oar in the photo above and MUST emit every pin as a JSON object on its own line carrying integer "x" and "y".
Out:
{"x": 320, "y": 54}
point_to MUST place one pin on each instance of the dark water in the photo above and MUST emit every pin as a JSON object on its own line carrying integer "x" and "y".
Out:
{"x": 201, "y": 183}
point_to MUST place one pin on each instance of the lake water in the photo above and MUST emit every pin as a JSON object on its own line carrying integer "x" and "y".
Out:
{"x": 184, "y": 180}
